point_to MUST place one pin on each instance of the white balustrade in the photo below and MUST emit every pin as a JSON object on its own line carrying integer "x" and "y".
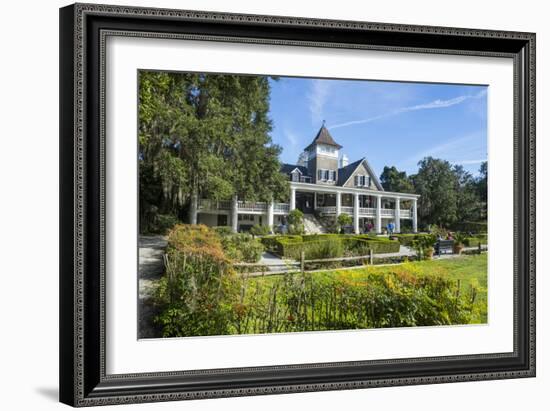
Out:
{"x": 252, "y": 206}
{"x": 281, "y": 207}
{"x": 369, "y": 212}
{"x": 347, "y": 210}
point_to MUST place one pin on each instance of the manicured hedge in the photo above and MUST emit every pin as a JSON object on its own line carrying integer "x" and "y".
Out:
{"x": 328, "y": 245}
{"x": 476, "y": 240}
{"x": 407, "y": 239}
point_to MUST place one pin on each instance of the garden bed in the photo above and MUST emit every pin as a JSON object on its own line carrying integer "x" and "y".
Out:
{"x": 320, "y": 246}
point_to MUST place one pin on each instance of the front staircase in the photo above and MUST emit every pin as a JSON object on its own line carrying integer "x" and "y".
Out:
{"x": 312, "y": 225}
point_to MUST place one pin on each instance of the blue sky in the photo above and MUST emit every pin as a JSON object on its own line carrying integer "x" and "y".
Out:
{"x": 389, "y": 123}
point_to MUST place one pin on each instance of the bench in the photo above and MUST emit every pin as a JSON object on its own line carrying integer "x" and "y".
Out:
{"x": 444, "y": 246}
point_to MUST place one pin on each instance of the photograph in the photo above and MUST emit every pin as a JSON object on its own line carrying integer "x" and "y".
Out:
{"x": 274, "y": 204}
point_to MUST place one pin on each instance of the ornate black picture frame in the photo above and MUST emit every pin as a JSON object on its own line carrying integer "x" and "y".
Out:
{"x": 83, "y": 30}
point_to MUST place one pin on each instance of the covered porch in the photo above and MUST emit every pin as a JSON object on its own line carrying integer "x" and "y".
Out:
{"x": 378, "y": 208}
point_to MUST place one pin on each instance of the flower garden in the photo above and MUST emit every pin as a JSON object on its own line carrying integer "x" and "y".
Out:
{"x": 202, "y": 293}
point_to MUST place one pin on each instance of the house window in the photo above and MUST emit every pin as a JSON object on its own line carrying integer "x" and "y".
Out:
{"x": 326, "y": 175}
{"x": 362, "y": 181}
{"x": 295, "y": 176}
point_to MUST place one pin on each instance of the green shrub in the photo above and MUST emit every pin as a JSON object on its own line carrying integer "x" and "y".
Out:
{"x": 162, "y": 223}
{"x": 337, "y": 245}
{"x": 260, "y": 230}
{"x": 242, "y": 247}
{"x": 471, "y": 227}
{"x": 344, "y": 220}
{"x": 407, "y": 239}
{"x": 223, "y": 230}
{"x": 195, "y": 294}
{"x": 475, "y": 241}
{"x": 296, "y": 222}
{"x": 297, "y": 302}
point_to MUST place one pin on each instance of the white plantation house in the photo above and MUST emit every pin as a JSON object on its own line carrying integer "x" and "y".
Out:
{"x": 323, "y": 183}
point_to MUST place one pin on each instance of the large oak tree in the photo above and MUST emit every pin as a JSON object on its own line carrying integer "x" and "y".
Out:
{"x": 204, "y": 135}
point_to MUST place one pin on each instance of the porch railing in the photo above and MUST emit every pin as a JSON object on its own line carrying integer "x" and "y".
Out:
{"x": 347, "y": 210}
{"x": 367, "y": 211}
{"x": 327, "y": 210}
{"x": 281, "y": 208}
{"x": 205, "y": 204}
{"x": 252, "y": 206}
{"x": 387, "y": 212}
{"x": 405, "y": 213}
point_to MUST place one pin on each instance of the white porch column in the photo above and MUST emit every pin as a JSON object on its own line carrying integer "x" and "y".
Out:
{"x": 234, "y": 214}
{"x": 356, "y": 213}
{"x": 378, "y": 224}
{"x": 338, "y": 204}
{"x": 315, "y": 200}
{"x": 270, "y": 207}
{"x": 292, "y": 198}
{"x": 414, "y": 217}
{"x": 397, "y": 215}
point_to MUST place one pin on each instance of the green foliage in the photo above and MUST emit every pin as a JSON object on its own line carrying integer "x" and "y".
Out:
{"x": 476, "y": 240}
{"x": 333, "y": 301}
{"x": 471, "y": 227}
{"x": 260, "y": 230}
{"x": 195, "y": 294}
{"x": 407, "y": 239}
{"x": 344, "y": 220}
{"x": 321, "y": 246}
{"x": 395, "y": 180}
{"x": 423, "y": 245}
{"x": 204, "y": 135}
{"x": 223, "y": 230}
{"x": 201, "y": 295}
{"x": 162, "y": 223}
{"x": 296, "y": 222}
{"x": 448, "y": 194}
{"x": 241, "y": 247}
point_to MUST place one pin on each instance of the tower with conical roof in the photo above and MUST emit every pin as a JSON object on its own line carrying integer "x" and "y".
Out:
{"x": 323, "y": 153}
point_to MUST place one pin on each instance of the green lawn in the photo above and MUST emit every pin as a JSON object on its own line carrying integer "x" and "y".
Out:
{"x": 470, "y": 270}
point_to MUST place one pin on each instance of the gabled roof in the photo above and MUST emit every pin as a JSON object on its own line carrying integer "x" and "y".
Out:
{"x": 346, "y": 172}
{"x": 289, "y": 168}
{"x": 323, "y": 137}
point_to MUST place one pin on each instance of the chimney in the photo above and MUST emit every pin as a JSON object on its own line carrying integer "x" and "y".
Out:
{"x": 344, "y": 161}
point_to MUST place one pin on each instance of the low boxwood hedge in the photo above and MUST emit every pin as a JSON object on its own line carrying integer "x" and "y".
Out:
{"x": 476, "y": 240}
{"x": 328, "y": 245}
{"x": 407, "y": 239}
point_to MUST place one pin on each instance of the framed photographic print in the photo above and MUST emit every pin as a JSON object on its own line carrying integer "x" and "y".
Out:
{"x": 261, "y": 204}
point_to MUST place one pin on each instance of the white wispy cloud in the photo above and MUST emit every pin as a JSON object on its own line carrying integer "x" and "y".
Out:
{"x": 453, "y": 151}
{"x": 317, "y": 97}
{"x": 293, "y": 140}
{"x": 426, "y": 106}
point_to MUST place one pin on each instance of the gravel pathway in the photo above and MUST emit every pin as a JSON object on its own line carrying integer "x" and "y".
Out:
{"x": 151, "y": 268}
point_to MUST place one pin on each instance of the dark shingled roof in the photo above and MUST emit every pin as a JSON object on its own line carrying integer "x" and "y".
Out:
{"x": 345, "y": 172}
{"x": 288, "y": 168}
{"x": 323, "y": 137}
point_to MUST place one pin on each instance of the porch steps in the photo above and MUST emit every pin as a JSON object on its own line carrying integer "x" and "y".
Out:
{"x": 312, "y": 225}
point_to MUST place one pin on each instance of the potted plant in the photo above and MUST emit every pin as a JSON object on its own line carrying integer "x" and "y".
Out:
{"x": 458, "y": 244}
{"x": 424, "y": 246}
